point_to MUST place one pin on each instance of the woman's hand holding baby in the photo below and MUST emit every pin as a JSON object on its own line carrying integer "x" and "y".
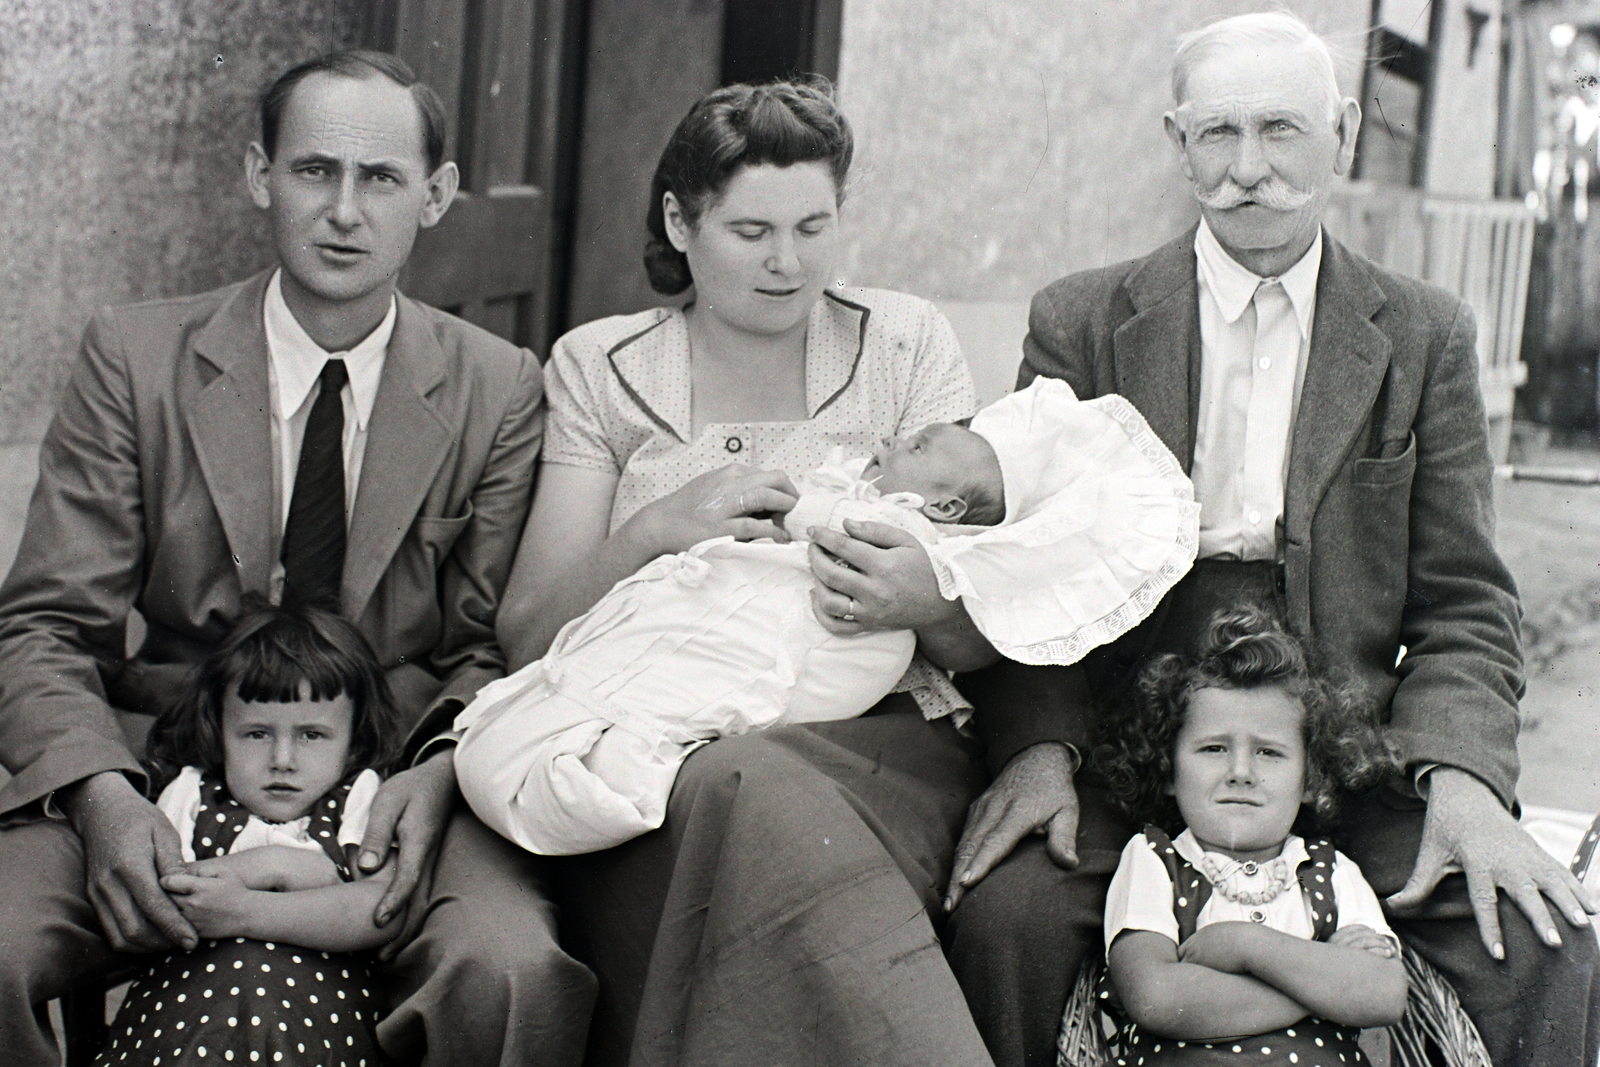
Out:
{"x": 881, "y": 578}
{"x": 735, "y": 501}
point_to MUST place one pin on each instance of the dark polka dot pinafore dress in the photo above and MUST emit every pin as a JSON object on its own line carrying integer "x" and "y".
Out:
{"x": 1311, "y": 1042}
{"x": 238, "y": 1001}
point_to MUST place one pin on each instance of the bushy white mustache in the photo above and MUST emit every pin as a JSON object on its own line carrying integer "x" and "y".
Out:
{"x": 1272, "y": 193}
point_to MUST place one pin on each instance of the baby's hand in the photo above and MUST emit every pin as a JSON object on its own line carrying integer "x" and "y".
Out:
{"x": 1225, "y": 947}
{"x": 214, "y": 906}
{"x": 1365, "y": 938}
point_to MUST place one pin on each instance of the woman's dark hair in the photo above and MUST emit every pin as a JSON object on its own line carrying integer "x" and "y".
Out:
{"x": 1241, "y": 649}
{"x": 737, "y": 126}
{"x": 358, "y": 63}
{"x": 272, "y": 655}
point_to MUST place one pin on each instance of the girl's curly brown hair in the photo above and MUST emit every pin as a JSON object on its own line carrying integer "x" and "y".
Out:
{"x": 1241, "y": 649}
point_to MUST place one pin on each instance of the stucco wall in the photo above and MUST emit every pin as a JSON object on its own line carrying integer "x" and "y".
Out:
{"x": 121, "y": 147}
{"x": 1006, "y": 144}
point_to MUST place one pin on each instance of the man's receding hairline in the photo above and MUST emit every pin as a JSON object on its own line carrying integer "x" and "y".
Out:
{"x": 372, "y": 73}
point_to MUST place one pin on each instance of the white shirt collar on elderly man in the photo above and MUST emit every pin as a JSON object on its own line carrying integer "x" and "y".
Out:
{"x": 294, "y": 362}
{"x": 1248, "y": 399}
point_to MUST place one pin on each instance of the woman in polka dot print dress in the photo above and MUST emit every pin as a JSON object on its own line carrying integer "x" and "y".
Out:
{"x": 269, "y": 764}
{"x": 1239, "y": 941}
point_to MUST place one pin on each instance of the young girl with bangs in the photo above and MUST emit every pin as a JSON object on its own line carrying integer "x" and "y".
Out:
{"x": 1237, "y": 938}
{"x": 268, "y": 769}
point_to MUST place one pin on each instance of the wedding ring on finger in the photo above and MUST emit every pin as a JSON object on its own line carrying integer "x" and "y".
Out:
{"x": 850, "y": 615}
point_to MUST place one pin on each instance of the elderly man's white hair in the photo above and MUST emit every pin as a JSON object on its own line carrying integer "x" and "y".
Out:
{"x": 1257, "y": 32}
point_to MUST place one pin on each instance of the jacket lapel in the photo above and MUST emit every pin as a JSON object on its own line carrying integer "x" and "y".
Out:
{"x": 1345, "y": 368}
{"x": 407, "y": 439}
{"x": 230, "y": 425}
{"x": 1157, "y": 351}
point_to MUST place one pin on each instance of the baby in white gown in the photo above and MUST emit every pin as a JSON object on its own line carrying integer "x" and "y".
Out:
{"x": 1059, "y": 523}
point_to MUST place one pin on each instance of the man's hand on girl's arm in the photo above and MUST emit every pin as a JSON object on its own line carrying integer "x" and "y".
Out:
{"x": 411, "y": 810}
{"x": 1338, "y": 980}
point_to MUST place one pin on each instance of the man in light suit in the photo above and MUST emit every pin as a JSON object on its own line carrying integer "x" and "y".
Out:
{"x": 1329, "y": 414}
{"x": 196, "y": 446}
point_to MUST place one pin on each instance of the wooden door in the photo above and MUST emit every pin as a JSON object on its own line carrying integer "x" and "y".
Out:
{"x": 501, "y": 68}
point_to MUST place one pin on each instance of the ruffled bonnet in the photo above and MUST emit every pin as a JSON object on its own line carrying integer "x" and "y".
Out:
{"x": 1100, "y": 523}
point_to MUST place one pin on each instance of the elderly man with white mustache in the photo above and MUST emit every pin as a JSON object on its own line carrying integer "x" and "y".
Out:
{"x": 1329, "y": 415}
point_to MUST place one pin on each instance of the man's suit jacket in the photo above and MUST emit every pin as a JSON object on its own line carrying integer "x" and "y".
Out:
{"x": 155, "y": 493}
{"x": 1388, "y": 516}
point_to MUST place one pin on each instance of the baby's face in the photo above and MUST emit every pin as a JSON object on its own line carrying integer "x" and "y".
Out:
{"x": 940, "y": 460}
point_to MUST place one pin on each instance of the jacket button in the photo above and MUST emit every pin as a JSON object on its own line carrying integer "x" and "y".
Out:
{"x": 733, "y": 444}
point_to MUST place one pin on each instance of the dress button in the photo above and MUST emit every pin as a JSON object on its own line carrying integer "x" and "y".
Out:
{"x": 1249, "y": 868}
{"x": 1254, "y": 516}
{"x": 733, "y": 444}
{"x": 1266, "y": 363}
{"x": 1257, "y": 916}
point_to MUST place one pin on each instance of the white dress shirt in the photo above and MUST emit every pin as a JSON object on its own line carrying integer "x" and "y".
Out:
{"x": 1252, "y": 367}
{"x": 294, "y": 363}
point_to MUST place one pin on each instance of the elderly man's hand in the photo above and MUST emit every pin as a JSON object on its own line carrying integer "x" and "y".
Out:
{"x": 1033, "y": 794}
{"x": 1467, "y": 826}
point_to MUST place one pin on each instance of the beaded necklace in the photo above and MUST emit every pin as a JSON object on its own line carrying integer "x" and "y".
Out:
{"x": 1234, "y": 878}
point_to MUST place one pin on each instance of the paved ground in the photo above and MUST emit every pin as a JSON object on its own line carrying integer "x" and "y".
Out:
{"x": 1550, "y": 537}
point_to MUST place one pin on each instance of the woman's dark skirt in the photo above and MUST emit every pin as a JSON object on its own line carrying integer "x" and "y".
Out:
{"x": 786, "y": 911}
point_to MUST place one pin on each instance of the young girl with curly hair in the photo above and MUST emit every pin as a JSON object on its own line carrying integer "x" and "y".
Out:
{"x": 1238, "y": 939}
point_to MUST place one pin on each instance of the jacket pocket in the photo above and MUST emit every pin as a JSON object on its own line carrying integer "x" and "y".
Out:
{"x": 438, "y": 535}
{"x": 1391, "y": 470}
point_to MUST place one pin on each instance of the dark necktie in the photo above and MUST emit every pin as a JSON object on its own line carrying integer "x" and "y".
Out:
{"x": 313, "y": 539}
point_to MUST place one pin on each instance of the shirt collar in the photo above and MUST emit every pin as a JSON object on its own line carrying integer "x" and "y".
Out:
{"x": 1233, "y": 286}
{"x": 297, "y": 360}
